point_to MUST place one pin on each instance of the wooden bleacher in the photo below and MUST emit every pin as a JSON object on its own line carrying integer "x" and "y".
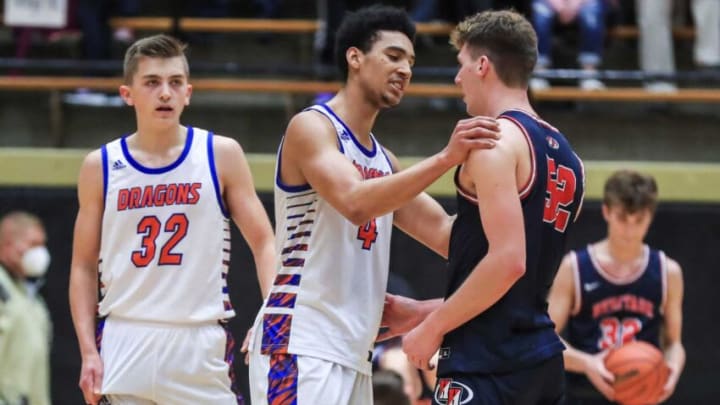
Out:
{"x": 306, "y": 26}
{"x": 57, "y": 84}
{"x": 284, "y": 86}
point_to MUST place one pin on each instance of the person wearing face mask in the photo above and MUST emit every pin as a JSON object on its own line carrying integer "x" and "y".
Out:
{"x": 25, "y": 328}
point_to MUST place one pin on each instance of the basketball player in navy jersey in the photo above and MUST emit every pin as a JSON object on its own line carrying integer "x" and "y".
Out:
{"x": 154, "y": 228}
{"x": 618, "y": 290}
{"x": 338, "y": 193}
{"x": 516, "y": 204}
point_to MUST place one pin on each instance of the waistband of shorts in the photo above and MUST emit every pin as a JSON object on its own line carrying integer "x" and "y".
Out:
{"x": 160, "y": 324}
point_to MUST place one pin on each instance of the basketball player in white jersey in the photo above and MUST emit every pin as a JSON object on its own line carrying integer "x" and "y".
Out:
{"x": 338, "y": 193}
{"x": 154, "y": 227}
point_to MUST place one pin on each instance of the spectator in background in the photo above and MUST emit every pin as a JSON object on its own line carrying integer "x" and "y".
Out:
{"x": 590, "y": 17}
{"x": 706, "y": 14}
{"x": 25, "y": 329}
{"x": 655, "y": 21}
{"x": 93, "y": 17}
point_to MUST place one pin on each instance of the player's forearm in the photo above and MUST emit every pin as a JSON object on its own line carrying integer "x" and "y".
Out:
{"x": 675, "y": 356}
{"x": 575, "y": 360}
{"x": 376, "y": 197}
{"x": 488, "y": 282}
{"x": 83, "y": 304}
{"x": 265, "y": 265}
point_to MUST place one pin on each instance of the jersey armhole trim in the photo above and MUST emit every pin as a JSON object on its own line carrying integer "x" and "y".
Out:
{"x": 278, "y": 167}
{"x": 576, "y": 280}
{"x": 104, "y": 154}
{"x": 525, "y": 191}
{"x": 393, "y": 169}
{"x": 214, "y": 176}
{"x": 663, "y": 280}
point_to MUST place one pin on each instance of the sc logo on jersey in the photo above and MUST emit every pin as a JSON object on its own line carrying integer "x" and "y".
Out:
{"x": 449, "y": 392}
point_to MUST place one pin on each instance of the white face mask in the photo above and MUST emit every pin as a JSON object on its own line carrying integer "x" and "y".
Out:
{"x": 35, "y": 261}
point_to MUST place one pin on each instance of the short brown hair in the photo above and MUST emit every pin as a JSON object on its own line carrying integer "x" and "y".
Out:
{"x": 506, "y": 37}
{"x": 156, "y": 46}
{"x": 15, "y": 223}
{"x": 631, "y": 190}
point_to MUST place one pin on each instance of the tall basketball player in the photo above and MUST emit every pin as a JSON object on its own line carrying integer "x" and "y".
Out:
{"x": 154, "y": 226}
{"x": 618, "y": 290}
{"x": 338, "y": 193}
{"x": 516, "y": 204}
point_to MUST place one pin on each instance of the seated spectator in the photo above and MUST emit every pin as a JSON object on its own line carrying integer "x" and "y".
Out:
{"x": 590, "y": 17}
{"x": 654, "y": 19}
{"x": 706, "y": 14}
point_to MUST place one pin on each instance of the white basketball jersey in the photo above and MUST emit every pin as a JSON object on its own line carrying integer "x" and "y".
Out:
{"x": 165, "y": 245}
{"x": 327, "y": 299}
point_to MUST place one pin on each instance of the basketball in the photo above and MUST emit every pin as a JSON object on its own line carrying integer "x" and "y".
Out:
{"x": 640, "y": 373}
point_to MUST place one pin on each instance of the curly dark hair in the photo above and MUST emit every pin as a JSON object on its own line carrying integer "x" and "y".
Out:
{"x": 360, "y": 29}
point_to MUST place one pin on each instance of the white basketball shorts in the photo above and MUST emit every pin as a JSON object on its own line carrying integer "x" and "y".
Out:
{"x": 166, "y": 363}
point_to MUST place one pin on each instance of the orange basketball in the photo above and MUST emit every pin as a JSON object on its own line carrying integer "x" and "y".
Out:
{"x": 640, "y": 373}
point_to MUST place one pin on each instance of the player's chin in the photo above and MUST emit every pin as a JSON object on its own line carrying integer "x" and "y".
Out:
{"x": 390, "y": 100}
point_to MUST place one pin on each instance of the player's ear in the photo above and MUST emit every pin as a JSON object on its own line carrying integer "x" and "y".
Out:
{"x": 483, "y": 64}
{"x": 126, "y": 94}
{"x": 606, "y": 212}
{"x": 353, "y": 56}
{"x": 188, "y": 93}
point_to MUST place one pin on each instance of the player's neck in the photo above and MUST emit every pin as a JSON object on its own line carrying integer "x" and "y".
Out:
{"x": 158, "y": 139}
{"x": 358, "y": 114}
{"x": 622, "y": 253}
{"x": 509, "y": 99}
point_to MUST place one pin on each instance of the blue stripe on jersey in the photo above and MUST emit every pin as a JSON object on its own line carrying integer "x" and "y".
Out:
{"x": 364, "y": 150}
{"x": 287, "y": 279}
{"x": 157, "y": 170}
{"x": 213, "y": 174}
{"x": 276, "y": 333}
{"x": 104, "y": 153}
{"x": 281, "y": 300}
{"x": 283, "y": 380}
{"x": 387, "y": 158}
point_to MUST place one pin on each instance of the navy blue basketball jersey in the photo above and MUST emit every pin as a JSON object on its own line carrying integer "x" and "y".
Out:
{"x": 516, "y": 331}
{"x": 611, "y": 312}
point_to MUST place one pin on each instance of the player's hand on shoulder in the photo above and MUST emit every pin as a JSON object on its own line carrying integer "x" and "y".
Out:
{"x": 598, "y": 375}
{"x": 471, "y": 133}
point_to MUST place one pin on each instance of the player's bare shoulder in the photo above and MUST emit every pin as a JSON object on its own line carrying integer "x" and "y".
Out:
{"x": 673, "y": 267}
{"x": 308, "y": 128}
{"x": 91, "y": 172}
{"x": 230, "y": 161}
{"x": 225, "y": 147}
